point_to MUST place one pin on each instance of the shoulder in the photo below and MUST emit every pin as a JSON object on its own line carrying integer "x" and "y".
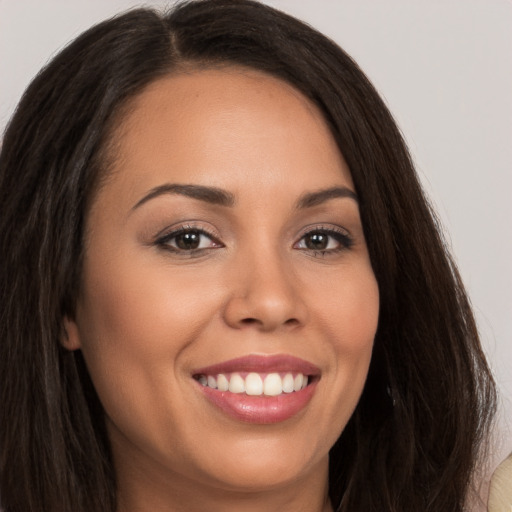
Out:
{"x": 500, "y": 495}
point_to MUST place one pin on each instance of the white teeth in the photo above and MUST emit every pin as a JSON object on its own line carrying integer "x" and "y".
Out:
{"x": 272, "y": 385}
{"x": 254, "y": 385}
{"x": 288, "y": 383}
{"x": 297, "y": 383}
{"x": 236, "y": 384}
{"x": 222, "y": 382}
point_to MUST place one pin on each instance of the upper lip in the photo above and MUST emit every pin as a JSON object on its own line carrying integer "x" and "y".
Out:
{"x": 278, "y": 363}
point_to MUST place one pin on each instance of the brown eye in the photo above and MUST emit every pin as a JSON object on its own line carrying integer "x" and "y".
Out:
{"x": 316, "y": 241}
{"x": 188, "y": 241}
{"x": 325, "y": 241}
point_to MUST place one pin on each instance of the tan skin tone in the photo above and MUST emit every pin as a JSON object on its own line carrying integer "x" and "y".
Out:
{"x": 150, "y": 312}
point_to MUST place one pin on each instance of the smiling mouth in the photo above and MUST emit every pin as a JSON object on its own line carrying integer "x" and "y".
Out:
{"x": 256, "y": 384}
{"x": 259, "y": 389}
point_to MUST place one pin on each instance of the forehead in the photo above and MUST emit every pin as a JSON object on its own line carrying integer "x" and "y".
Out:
{"x": 226, "y": 127}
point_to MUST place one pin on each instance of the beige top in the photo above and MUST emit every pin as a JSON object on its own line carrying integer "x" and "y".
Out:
{"x": 500, "y": 495}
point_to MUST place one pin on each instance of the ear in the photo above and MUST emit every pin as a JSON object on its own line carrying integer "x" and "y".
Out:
{"x": 70, "y": 336}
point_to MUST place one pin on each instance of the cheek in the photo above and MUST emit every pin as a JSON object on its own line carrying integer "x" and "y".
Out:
{"x": 357, "y": 327}
{"x": 344, "y": 311}
{"x": 133, "y": 322}
{"x": 349, "y": 309}
{"x": 348, "y": 319}
{"x": 137, "y": 307}
{"x": 136, "y": 326}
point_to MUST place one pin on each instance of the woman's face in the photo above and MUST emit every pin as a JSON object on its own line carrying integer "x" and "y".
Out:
{"x": 226, "y": 241}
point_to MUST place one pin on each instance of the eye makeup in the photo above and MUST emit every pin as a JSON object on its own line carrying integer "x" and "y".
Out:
{"x": 187, "y": 239}
{"x": 324, "y": 240}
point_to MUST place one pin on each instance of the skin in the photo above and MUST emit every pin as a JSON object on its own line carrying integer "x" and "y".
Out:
{"x": 149, "y": 314}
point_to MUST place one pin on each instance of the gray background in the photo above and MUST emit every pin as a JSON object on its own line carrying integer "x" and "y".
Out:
{"x": 445, "y": 69}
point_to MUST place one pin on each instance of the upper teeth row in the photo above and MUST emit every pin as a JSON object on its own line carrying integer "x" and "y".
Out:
{"x": 271, "y": 385}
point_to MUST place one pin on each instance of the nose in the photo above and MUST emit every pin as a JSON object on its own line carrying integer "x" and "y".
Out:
{"x": 264, "y": 294}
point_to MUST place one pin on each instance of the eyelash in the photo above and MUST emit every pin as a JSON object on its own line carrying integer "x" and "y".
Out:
{"x": 165, "y": 240}
{"x": 341, "y": 236}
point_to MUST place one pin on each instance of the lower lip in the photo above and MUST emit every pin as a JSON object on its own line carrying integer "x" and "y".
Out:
{"x": 260, "y": 409}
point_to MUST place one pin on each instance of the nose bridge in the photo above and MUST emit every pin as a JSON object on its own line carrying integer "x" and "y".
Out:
{"x": 269, "y": 277}
{"x": 264, "y": 291}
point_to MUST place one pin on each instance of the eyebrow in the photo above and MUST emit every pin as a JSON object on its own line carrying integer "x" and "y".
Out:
{"x": 210, "y": 195}
{"x": 321, "y": 196}
{"x": 221, "y": 197}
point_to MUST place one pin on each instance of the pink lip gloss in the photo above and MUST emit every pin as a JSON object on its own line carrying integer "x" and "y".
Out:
{"x": 260, "y": 409}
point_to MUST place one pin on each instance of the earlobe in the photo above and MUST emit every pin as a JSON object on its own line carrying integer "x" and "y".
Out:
{"x": 70, "y": 336}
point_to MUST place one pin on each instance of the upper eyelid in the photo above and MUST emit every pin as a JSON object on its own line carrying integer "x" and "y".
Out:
{"x": 190, "y": 226}
{"x": 328, "y": 228}
{"x": 176, "y": 229}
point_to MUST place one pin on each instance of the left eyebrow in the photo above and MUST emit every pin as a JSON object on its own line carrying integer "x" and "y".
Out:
{"x": 315, "y": 198}
{"x": 210, "y": 195}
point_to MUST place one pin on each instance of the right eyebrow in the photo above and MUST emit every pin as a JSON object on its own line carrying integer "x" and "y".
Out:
{"x": 210, "y": 195}
{"x": 321, "y": 196}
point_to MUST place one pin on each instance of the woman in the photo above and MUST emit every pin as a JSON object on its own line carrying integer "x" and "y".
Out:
{"x": 222, "y": 285}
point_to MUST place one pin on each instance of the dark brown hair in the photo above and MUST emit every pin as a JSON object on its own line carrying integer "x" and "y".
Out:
{"x": 414, "y": 439}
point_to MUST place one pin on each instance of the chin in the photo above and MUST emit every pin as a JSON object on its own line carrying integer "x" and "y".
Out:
{"x": 259, "y": 477}
{"x": 265, "y": 465}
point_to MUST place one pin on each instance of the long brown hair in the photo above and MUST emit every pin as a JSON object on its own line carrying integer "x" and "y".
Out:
{"x": 414, "y": 439}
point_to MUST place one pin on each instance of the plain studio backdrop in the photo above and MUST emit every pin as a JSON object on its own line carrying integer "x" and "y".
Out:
{"x": 444, "y": 68}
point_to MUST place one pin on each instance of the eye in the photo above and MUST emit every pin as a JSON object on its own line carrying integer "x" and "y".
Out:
{"x": 187, "y": 240}
{"x": 325, "y": 241}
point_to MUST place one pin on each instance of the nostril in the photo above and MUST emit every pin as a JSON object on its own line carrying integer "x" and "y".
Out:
{"x": 250, "y": 321}
{"x": 255, "y": 321}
